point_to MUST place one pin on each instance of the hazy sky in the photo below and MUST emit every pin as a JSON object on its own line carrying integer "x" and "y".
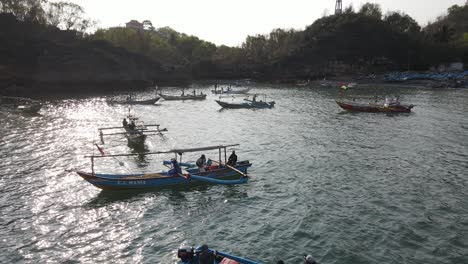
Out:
{"x": 229, "y": 22}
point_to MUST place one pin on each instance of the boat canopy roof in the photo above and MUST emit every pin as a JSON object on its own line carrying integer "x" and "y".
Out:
{"x": 169, "y": 151}
{"x": 202, "y": 149}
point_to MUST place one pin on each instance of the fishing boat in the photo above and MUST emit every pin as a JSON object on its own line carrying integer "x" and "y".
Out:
{"x": 189, "y": 255}
{"x": 250, "y": 104}
{"x": 183, "y": 97}
{"x": 130, "y": 101}
{"x": 230, "y": 90}
{"x": 217, "y": 172}
{"x": 136, "y": 130}
{"x": 21, "y": 104}
{"x": 389, "y": 105}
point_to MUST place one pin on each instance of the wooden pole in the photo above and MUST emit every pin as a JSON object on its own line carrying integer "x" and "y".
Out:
{"x": 225, "y": 159}
{"x": 92, "y": 166}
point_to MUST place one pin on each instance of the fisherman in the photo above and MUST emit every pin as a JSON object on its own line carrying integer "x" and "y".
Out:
{"x": 201, "y": 163}
{"x": 175, "y": 170}
{"x": 132, "y": 125}
{"x": 124, "y": 122}
{"x": 232, "y": 159}
{"x": 205, "y": 256}
{"x": 193, "y": 92}
{"x": 254, "y": 98}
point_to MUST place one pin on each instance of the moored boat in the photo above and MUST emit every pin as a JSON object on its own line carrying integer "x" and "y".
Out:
{"x": 217, "y": 172}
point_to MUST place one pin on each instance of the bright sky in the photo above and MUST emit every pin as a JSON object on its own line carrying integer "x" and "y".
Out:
{"x": 229, "y": 22}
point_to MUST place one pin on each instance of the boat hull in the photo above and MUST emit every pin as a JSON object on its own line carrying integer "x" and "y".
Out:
{"x": 157, "y": 180}
{"x": 374, "y": 107}
{"x": 134, "y": 102}
{"x": 257, "y": 105}
{"x": 183, "y": 97}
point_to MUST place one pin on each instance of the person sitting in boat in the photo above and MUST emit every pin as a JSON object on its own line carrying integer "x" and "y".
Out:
{"x": 175, "y": 170}
{"x": 124, "y": 122}
{"x": 395, "y": 101}
{"x": 232, "y": 161}
{"x": 132, "y": 125}
{"x": 205, "y": 256}
{"x": 387, "y": 102}
{"x": 201, "y": 163}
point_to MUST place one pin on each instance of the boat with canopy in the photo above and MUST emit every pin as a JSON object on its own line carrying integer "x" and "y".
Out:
{"x": 179, "y": 173}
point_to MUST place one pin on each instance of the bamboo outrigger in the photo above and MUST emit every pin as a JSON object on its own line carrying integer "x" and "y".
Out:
{"x": 136, "y": 131}
{"x": 216, "y": 174}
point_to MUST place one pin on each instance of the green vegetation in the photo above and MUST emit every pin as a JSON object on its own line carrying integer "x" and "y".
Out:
{"x": 43, "y": 42}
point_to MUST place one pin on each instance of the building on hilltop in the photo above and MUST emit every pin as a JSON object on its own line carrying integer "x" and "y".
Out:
{"x": 134, "y": 24}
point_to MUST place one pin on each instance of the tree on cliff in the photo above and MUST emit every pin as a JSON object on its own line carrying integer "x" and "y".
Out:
{"x": 31, "y": 10}
{"x": 67, "y": 15}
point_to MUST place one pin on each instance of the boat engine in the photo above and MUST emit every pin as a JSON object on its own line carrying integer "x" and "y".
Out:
{"x": 185, "y": 253}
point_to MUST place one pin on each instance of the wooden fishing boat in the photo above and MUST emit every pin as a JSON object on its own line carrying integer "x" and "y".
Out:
{"x": 129, "y": 101}
{"x": 183, "y": 97}
{"x": 21, "y": 104}
{"x": 189, "y": 255}
{"x": 217, "y": 173}
{"x": 247, "y": 104}
{"x": 136, "y": 130}
{"x": 374, "y": 107}
{"x": 230, "y": 90}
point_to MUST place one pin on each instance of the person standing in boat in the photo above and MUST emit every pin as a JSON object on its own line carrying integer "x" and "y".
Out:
{"x": 124, "y": 122}
{"x": 232, "y": 161}
{"x": 193, "y": 92}
{"x": 201, "y": 163}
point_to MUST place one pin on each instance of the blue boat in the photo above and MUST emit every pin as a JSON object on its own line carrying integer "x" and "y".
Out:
{"x": 218, "y": 172}
{"x": 189, "y": 255}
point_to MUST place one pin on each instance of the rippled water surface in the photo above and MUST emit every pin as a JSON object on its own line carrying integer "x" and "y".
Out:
{"x": 345, "y": 187}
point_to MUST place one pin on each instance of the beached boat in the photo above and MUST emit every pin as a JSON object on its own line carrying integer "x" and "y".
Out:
{"x": 21, "y": 104}
{"x": 130, "y": 101}
{"x": 250, "y": 104}
{"x": 217, "y": 172}
{"x": 189, "y": 255}
{"x": 136, "y": 130}
{"x": 386, "y": 107}
{"x": 183, "y": 97}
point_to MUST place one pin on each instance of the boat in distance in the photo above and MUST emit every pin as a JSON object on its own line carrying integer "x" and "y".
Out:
{"x": 136, "y": 131}
{"x": 135, "y": 102}
{"x": 217, "y": 172}
{"x": 374, "y": 107}
{"x": 249, "y": 104}
{"x": 183, "y": 97}
{"x": 21, "y": 104}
